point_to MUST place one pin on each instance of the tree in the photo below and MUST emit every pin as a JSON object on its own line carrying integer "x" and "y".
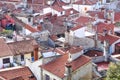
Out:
{"x": 113, "y": 72}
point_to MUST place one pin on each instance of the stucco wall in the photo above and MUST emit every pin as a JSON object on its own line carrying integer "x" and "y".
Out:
{"x": 35, "y": 68}
{"x": 81, "y": 8}
{"x": 83, "y": 73}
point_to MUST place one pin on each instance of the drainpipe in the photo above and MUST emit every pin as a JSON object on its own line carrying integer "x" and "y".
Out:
{"x": 41, "y": 74}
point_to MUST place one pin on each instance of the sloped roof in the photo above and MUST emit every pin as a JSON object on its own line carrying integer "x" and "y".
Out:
{"x": 21, "y": 73}
{"x": 59, "y": 3}
{"x": 99, "y": 14}
{"x": 104, "y": 26}
{"x": 70, "y": 11}
{"x": 21, "y": 47}
{"x": 84, "y": 20}
{"x": 76, "y": 27}
{"x": 86, "y": 2}
{"x": 109, "y": 37}
{"x": 117, "y": 17}
{"x": 94, "y": 53}
{"x": 4, "y": 49}
{"x": 57, "y": 67}
{"x": 57, "y": 8}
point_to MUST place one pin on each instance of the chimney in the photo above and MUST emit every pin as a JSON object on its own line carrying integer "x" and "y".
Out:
{"x": 96, "y": 39}
{"x": 35, "y": 52}
{"x": 105, "y": 14}
{"x": 106, "y": 50}
{"x": 39, "y": 28}
{"x": 15, "y": 36}
{"x": 112, "y": 16}
{"x": 68, "y": 70}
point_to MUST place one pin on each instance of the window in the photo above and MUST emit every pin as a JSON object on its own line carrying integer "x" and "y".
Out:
{"x": 22, "y": 57}
{"x": 29, "y": 19}
{"x": 47, "y": 77}
{"x": 6, "y": 60}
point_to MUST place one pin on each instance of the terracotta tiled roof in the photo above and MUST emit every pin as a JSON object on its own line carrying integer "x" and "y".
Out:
{"x": 60, "y": 51}
{"x": 99, "y": 14}
{"x": 84, "y": 20}
{"x": 57, "y": 8}
{"x": 76, "y": 27}
{"x": 38, "y": 1}
{"x": 117, "y": 16}
{"x": 74, "y": 50}
{"x": 57, "y": 67}
{"x": 86, "y": 2}
{"x": 5, "y": 50}
{"x": 102, "y": 66}
{"x": 94, "y": 53}
{"x": 59, "y": 3}
{"x": 109, "y": 37}
{"x": 22, "y": 47}
{"x": 22, "y": 73}
{"x": 70, "y": 11}
{"x": 104, "y": 26}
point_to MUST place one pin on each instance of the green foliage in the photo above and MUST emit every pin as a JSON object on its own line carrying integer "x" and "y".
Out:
{"x": 113, "y": 72}
{"x": 6, "y": 32}
{"x": 117, "y": 24}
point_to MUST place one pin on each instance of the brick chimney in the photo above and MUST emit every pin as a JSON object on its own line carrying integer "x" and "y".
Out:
{"x": 35, "y": 52}
{"x": 106, "y": 50}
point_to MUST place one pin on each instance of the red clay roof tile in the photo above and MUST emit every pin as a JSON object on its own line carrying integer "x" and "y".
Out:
{"x": 82, "y": 20}
{"x": 104, "y": 26}
{"x": 109, "y": 37}
{"x": 86, "y": 2}
{"x": 19, "y": 73}
{"x": 5, "y": 50}
{"x": 21, "y": 47}
{"x": 57, "y": 67}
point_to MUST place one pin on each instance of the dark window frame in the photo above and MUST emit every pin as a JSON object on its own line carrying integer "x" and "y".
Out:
{"x": 47, "y": 77}
{"x": 6, "y": 60}
{"x": 22, "y": 57}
